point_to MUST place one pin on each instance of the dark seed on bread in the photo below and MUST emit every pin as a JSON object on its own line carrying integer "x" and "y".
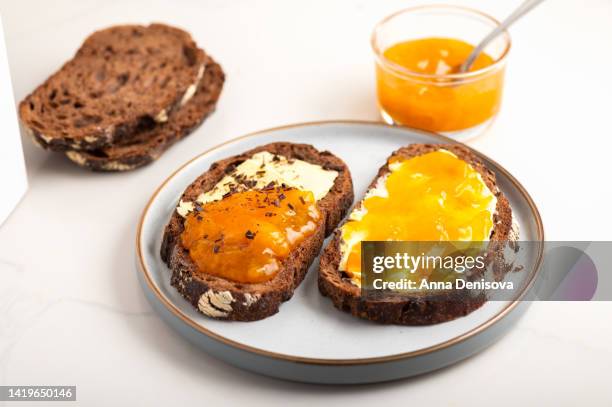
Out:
{"x": 420, "y": 309}
{"x": 224, "y": 299}
{"x": 120, "y": 79}
{"x": 149, "y": 142}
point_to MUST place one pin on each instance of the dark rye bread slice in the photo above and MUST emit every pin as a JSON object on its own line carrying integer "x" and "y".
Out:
{"x": 153, "y": 139}
{"x": 121, "y": 77}
{"x": 419, "y": 309}
{"x": 224, "y": 299}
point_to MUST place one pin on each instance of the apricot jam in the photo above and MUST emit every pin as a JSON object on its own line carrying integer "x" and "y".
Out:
{"x": 245, "y": 236}
{"x": 414, "y": 87}
{"x": 432, "y": 197}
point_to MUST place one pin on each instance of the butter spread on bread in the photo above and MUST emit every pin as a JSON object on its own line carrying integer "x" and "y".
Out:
{"x": 264, "y": 168}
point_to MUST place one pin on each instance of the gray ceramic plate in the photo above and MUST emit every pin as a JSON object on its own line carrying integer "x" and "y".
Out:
{"x": 309, "y": 340}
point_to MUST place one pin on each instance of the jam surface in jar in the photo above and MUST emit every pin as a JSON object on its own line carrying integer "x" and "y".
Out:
{"x": 439, "y": 56}
{"x": 432, "y": 197}
{"x": 245, "y": 236}
{"x": 436, "y": 102}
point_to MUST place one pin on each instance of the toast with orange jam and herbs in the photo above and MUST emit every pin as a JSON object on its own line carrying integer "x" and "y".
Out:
{"x": 245, "y": 232}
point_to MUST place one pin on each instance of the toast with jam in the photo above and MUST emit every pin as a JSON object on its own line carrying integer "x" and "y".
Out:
{"x": 244, "y": 233}
{"x": 424, "y": 192}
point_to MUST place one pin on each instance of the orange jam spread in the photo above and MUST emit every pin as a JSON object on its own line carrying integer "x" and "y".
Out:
{"x": 432, "y": 197}
{"x": 245, "y": 236}
{"x": 435, "y": 102}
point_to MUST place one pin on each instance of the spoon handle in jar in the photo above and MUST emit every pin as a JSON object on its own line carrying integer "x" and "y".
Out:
{"x": 523, "y": 9}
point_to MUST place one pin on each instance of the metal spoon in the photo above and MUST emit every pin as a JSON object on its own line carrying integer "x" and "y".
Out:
{"x": 523, "y": 9}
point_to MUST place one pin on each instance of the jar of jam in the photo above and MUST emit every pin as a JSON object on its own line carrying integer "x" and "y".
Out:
{"x": 418, "y": 52}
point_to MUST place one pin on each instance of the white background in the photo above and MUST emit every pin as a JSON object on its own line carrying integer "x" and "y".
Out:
{"x": 71, "y": 310}
{"x": 11, "y": 152}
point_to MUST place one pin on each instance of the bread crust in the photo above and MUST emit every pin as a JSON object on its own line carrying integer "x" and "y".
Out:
{"x": 420, "y": 309}
{"x": 119, "y": 77}
{"x": 151, "y": 142}
{"x": 250, "y": 302}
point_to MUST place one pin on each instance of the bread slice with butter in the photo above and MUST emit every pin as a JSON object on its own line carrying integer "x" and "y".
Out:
{"x": 120, "y": 78}
{"x": 492, "y": 209}
{"x": 284, "y": 167}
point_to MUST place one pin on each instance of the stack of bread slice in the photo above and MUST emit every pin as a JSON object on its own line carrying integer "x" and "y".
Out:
{"x": 129, "y": 93}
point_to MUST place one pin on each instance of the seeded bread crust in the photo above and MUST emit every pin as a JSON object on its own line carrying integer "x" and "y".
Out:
{"x": 420, "y": 309}
{"x": 120, "y": 78}
{"x": 150, "y": 142}
{"x": 223, "y": 299}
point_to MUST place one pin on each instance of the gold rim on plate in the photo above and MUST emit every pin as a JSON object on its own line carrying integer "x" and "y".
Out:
{"x": 337, "y": 362}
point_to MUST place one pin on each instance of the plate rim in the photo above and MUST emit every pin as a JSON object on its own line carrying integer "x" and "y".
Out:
{"x": 327, "y": 361}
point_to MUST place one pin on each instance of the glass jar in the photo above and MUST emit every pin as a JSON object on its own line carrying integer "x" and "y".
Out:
{"x": 458, "y": 105}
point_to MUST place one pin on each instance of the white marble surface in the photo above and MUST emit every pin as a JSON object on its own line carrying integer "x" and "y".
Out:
{"x": 71, "y": 310}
